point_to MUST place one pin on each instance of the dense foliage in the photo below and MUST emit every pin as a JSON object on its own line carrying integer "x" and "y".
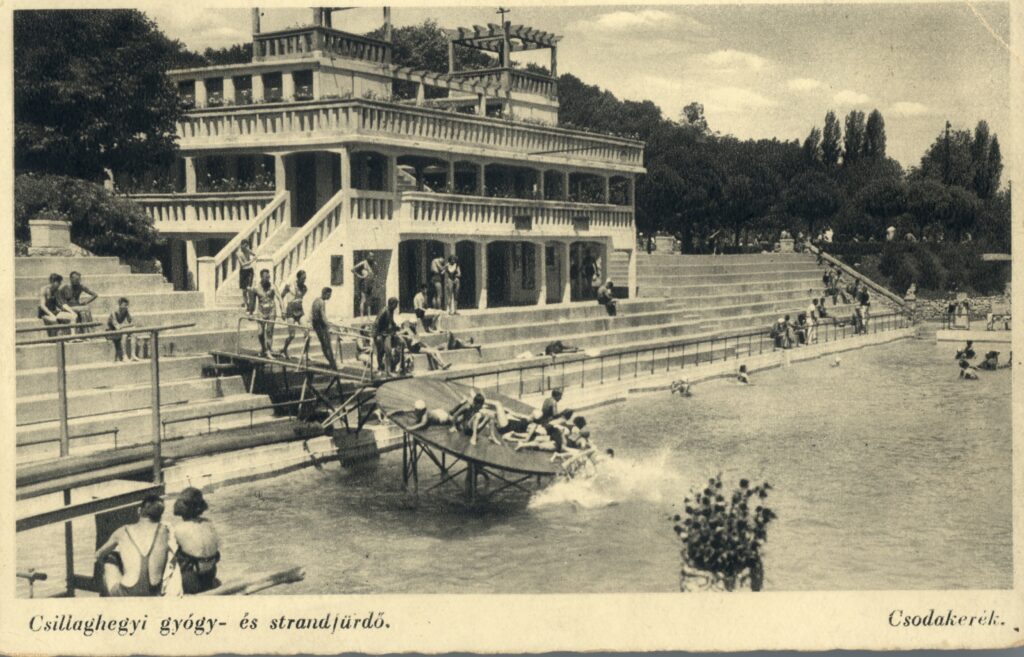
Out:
{"x": 723, "y": 537}
{"x": 91, "y": 93}
{"x": 100, "y": 222}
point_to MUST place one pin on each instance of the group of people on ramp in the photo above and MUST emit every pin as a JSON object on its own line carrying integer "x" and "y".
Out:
{"x": 547, "y": 429}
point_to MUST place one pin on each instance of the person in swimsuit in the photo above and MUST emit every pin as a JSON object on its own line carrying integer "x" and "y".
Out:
{"x": 452, "y": 282}
{"x": 52, "y": 309}
{"x": 365, "y": 273}
{"x": 246, "y": 258}
{"x": 437, "y": 417}
{"x": 682, "y": 387}
{"x": 743, "y": 376}
{"x": 198, "y": 545}
{"x": 293, "y": 310}
{"x": 968, "y": 371}
{"x": 268, "y": 302}
{"x": 119, "y": 320}
{"x": 427, "y": 316}
{"x": 967, "y": 353}
{"x": 135, "y": 555}
{"x": 464, "y": 415}
{"x": 384, "y": 339}
{"x": 413, "y": 345}
{"x": 541, "y": 436}
{"x": 71, "y": 294}
{"x": 322, "y": 327}
{"x": 437, "y": 281}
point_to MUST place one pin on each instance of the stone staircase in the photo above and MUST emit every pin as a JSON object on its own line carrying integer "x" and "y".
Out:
{"x": 104, "y": 395}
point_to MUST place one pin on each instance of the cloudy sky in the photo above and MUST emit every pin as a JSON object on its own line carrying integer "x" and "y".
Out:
{"x": 760, "y": 71}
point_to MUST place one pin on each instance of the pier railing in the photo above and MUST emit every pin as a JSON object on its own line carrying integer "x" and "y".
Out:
{"x": 582, "y": 370}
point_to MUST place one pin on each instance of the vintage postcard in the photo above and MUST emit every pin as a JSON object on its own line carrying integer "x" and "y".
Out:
{"x": 510, "y": 328}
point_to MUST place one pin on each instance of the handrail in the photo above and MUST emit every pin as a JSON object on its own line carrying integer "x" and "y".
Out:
{"x": 103, "y": 335}
{"x": 57, "y": 327}
{"x": 630, "y": 357}
{"x": 214, "y": 272}
{"x": 300, "y": 245}
{"x": 892, "y": 296}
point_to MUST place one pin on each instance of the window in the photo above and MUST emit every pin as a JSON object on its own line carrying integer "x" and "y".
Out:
{"x": 272, "y": 87}
{"x": 187, "y": 93}
{"x": 303, "y": 85}
{"x": 528, "y": 265}
{"x": 214, "y": 92}
{"x": 337, "y": 270}
{"x": 243, "y": 90}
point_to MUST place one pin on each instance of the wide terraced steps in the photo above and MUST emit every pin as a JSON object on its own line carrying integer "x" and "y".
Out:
{"x": 109, "y": 403}
{"x": 680, "y": 298}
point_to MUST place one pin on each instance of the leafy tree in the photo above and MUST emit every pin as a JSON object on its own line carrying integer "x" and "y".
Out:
{"x": 994, "y": 170}
{"x": 831, "y": 135}
{"x": 693, "y": 115}
{"x": 90, "y": 92}
{"x": 813, "y": 197}
{"x": 874, "y": 136}
{"x": 100, "y": 222}
{"x": 948, "y": 160}
{"x": 853, "y": 145}
{"x": 239, "y": 53}
{"x": 811, "y": 148}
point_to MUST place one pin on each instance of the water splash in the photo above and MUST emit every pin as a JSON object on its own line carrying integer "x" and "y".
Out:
{"x": 616, "y": 480}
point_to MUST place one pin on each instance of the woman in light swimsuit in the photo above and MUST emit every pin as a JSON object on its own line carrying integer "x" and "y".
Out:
{"x": 127, "y": 569}
{"x": 452, "y": 282}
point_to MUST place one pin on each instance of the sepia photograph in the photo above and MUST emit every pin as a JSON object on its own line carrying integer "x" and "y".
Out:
{"x": 328, "y": 303}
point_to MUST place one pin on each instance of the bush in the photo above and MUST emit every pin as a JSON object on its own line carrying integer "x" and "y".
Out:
{"x": 722, "y": 538}
{"x": 101, "y": 223}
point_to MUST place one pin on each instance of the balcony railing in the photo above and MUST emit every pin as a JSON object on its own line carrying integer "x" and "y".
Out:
{"x": 306, "y": 40}
{"x": 428, "y": 208}
{"x": 520, "y": 80}
{"x": 338, "y": 119}
{"x": 216, "y": 212}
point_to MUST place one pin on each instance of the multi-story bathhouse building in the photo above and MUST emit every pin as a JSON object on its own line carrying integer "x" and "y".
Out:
{"x": 310, "y": 153}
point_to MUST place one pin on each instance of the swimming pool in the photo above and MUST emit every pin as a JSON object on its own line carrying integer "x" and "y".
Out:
{"x": 889, "y": 473}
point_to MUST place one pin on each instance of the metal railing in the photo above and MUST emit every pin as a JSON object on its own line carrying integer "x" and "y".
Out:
{"x": 876, "y": 287}
{"x": 585, "y": 370}
{"x": 60, "y": 343}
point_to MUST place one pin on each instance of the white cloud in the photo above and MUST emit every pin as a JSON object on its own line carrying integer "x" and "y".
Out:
{"x": 803, "y": 84}
{"x": 850, "y": 97}
{"x": 736, "y": 99}
{"x": 907, "y": 108}
{"x": 733, "y": 60}
{"x": 202, "y": 28}
{"x": 641, "y": 20}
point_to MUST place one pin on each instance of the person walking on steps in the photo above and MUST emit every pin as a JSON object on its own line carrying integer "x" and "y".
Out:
{"x": 246, "y": 275}
{"x": 437, "y": 281}
{"x": 293, "y": 310}
{"x": 320, "y": 325}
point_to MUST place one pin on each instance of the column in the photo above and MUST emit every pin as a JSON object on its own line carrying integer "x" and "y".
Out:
{"x": 345, "y": 169}
{"x": 190, "y": 175}
{"x": 324, "y": 179}
{"x": 554, "y": 62}
{"x": 451, "y": 56}
{"x": 632, "y": 273}
{"x": 287, "y": 85}
{"x": 481, "y": 180}
{"x": 607, "y": 189}
{"x": 421, "y": 94}
{"x": 317, "y": 84}
{"x": 231, "y": 167}
{"x": 191, "y": 266}
{"x": 229, "y": 90}
{"x": 564, "y": 266}
{"x": 257, "y": 88}
{"x": 540, "y": 184}
{"x": 280, "y": 175}
{"x": 450, "y": 181}
{"x": 200, "y": 92}
{"x": 631, "y": 201}
{"x": 565, "y": 185}
{"x": 481, "y": 105}
{"x": 540, "y": 273}
{"x": 481, "y": 273}
{"x": 391, "y": 174}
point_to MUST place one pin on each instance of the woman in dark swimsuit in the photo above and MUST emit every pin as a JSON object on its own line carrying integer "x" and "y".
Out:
{"x": 198, "y": 544}
{"x": 127, "y": 569}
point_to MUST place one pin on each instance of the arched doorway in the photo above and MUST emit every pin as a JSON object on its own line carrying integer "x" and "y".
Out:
{"x": 466, "y": 253}
{"x": 414, "y": 257}
{"x": 585, "y": 259}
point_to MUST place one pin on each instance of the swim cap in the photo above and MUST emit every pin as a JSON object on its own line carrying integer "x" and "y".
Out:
{"x": 420, "y": 405}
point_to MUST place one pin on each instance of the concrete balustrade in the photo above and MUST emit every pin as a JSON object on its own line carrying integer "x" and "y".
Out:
{"x": 217, "y": 212}
{"x": 327, "y": 121}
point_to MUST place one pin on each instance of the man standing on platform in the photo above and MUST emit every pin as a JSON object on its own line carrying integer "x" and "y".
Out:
{"x": 384, "y": 330}
{"x": 322, "y": 328}
{"x": 365, "y": 274}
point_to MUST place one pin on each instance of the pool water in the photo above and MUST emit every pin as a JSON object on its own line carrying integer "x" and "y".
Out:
{"x": 888, "y": 473}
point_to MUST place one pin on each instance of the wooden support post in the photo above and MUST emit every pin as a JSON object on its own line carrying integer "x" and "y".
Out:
{"x": 65, "y": 448}
{"x": 154, "y": 382}
{"x": 554, "y": 61}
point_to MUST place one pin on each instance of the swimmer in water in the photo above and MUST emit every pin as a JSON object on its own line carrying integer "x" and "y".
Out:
{"x": 681, "y": 386}
{"x": 967, "y": 353}
{"x": 837, "y": 362}
{"x": 742, "y": 376}
{"x": 967, "y": 371}
{"x": 437, "y": 417}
